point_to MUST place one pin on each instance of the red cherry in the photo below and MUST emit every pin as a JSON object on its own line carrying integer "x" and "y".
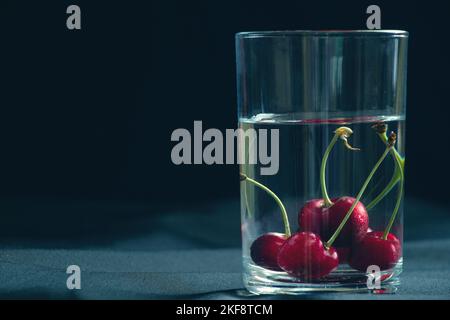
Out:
{"x": 343, "y": 254}
{"x": 324, "y": 221}
{"x": 303, "y": 255}
{"x": 310, "y": 216}
{"x": 356, "y": 227}
{"x": 374, "y": 250}
{"x": 264, "y": 250}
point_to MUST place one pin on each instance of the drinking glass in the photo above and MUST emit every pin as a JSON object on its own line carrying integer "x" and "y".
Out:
{"x": 331, "y": 106}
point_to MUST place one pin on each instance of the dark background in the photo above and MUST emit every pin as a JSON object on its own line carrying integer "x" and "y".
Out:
{"x": 87, "y": 115}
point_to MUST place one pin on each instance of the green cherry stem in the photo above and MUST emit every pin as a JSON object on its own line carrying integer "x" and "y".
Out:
{"x": 341, "y": 133}
{"x": 329, "y": 243}
{"x": 284, "y": 215}
{"x": 381, "y": 129}
{"x": 397, "y": 204}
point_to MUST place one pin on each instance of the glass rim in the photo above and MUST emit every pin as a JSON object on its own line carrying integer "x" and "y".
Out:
{"x": 323, "y": 33}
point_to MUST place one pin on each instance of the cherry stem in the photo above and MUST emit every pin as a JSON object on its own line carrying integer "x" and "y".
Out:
{"x": 329, "y": 243}
{"x": 284, "y": 215}
{"x": 247, "y": 205}
{"x": 326, "y": 198}
{"x": 341, "y": 133}
{"x": 396, "y": 177}
{"x": 398, "y": 202}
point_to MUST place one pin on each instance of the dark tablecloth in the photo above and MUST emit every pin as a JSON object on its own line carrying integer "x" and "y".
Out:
{"x": 179, "y": 255}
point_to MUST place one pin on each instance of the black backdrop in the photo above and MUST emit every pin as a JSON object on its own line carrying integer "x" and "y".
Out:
{"x": 88, "y": 114}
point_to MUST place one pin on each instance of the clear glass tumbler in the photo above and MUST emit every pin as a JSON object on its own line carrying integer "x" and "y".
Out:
{"x": 331, "y": 106}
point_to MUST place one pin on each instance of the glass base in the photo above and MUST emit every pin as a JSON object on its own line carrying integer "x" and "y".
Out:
{"x": 258, "y": 280}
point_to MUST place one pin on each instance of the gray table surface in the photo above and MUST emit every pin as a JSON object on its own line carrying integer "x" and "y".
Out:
{"x": 174, "y": 255}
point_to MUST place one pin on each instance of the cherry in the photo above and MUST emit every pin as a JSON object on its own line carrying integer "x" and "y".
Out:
{"x": 356, "y": 227}
{"x": 264, "y": 250}
{"x": 303, "y": 255}
{"x": 344, "y": 252}
{"x": 317, "y": 218}
{"x": 310, "y": 216}
{"x": 374, "y": 250}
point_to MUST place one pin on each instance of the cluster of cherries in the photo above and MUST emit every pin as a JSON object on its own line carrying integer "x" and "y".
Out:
{"x": 344, "y": 221}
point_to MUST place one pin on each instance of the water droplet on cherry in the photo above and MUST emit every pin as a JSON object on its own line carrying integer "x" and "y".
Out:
{"x": 304, "y": 256}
